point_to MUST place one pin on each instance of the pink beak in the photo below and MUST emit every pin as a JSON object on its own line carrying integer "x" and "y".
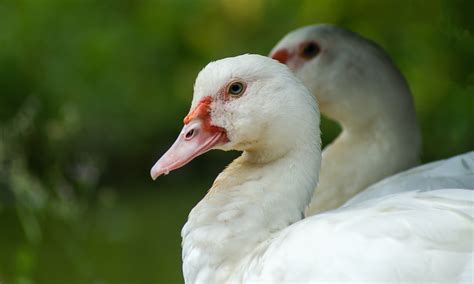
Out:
{"x": 196, "y": 138}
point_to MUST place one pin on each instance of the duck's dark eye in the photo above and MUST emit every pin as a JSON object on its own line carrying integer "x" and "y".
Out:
{"x": 236, "y": 89}
{"x": 310, "y": 50}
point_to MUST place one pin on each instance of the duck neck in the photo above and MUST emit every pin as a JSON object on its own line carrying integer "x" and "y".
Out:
{"x": 256, "y": 196}
{"x": 364, "y": 153}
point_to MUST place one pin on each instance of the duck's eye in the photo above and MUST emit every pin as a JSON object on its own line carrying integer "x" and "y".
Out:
{"x": 310, "y": 50}
{"x": 236, "y": 89}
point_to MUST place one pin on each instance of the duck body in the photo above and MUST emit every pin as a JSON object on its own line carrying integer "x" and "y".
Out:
{"x": 382, "y": 240}
{"x": 412, "y": 236}
{"x": 242, "y": 233}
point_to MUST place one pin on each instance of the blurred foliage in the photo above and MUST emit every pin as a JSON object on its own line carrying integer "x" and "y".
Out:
{"x": 91, "y": 92}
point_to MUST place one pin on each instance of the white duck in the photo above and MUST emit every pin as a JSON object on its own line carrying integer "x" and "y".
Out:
{"x": 358, "y": 86}
{"x": 249, "y": 226}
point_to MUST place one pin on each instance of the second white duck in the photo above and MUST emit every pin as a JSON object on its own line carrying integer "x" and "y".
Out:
{"x": 357, "y": 85}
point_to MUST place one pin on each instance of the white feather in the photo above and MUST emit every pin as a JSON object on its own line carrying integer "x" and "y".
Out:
{"x": 455, "y": 172}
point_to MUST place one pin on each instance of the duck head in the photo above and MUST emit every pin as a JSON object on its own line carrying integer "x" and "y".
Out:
{"x": 245, "y": 103}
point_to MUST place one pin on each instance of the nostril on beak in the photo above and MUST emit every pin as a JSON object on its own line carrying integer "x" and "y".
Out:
{"x": 190, "y": 134}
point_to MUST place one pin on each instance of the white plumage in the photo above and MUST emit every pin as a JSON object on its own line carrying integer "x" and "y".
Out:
{"x": 455, "y": 172}
{"x": 250, "y": 226}
{"x": 410, "y": 237}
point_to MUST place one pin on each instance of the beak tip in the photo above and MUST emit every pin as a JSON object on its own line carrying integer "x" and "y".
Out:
{"x": 158, "y": 170}
{"x": 154, "y": 173}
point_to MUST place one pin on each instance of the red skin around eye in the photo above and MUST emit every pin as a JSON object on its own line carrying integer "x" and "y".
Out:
{"x": 203, "y": 112}
{"x": 281, "y": 55}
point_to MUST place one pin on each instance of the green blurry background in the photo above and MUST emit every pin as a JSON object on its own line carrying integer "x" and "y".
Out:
{"x": 92, "y": 92}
